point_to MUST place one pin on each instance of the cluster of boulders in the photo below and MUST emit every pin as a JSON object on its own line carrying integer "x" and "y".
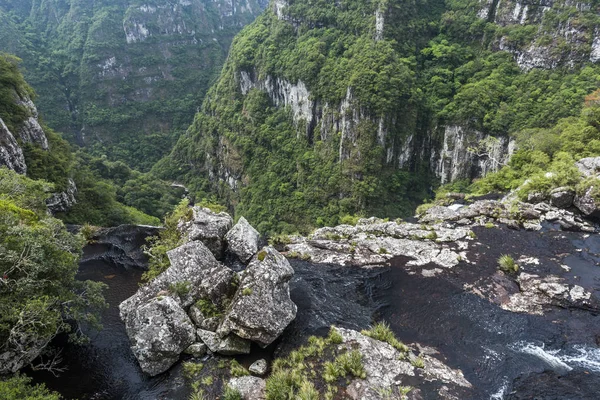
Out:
{"x": 199, "y": 304}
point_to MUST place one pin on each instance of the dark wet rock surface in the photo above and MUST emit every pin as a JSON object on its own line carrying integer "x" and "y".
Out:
{"x": 121, "y": 245}
{"x": 458, "y": 312}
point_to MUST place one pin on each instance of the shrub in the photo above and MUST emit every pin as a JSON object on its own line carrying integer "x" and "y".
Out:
{"x": 381, "y": 331}
{"x": 19, "y": 387}
{"x": 231, "y": 394}
{"x": 418, "y": 363}
{"x": 507, "y": 264}
{"x": 180, "y": 288}
{"x": 349, "y": 219}
{"x": 334, "y": 336}
{"x": 236, "y": 369}
{"x": 191, "y": 369}
{"x": 208, "y": 308}
{"x": 89, "y": 232}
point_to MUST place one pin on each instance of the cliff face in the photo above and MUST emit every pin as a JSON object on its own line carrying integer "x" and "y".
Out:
{"x": 547, "y": 33}
{"x": 433, "y": 89}
{"x": 28, "y": 131}
{"x": 126, "y": 76}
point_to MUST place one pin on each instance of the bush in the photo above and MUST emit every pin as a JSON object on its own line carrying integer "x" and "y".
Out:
{"x": 19, "y": 387}
{"x": 381, "y": 331}
{"x": 507, "y": 264}
{"x": 231, "y": 394}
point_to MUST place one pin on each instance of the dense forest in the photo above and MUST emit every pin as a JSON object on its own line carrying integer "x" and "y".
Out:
{"x": 326, "y": 110}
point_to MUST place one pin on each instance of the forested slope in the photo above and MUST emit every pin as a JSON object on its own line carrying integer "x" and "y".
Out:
{"x": 331, "y": 108}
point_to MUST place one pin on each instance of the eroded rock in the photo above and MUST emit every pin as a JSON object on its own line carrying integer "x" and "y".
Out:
{"x": 242, "y": 240}
{"x": 194, "y": 273}
{"x": 261, "y": 308}
{"x": 210, "y": 228}
{"x": 259, "y": 367}
{"x": 250, "y": 387}
{"x": 159, "y": 332}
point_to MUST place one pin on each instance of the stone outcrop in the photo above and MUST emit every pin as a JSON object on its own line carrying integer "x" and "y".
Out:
{"x": 537, "y": 292}
{"x": 159, "y": 332}
{"x": 121, "y": 245}
{"x": 587, "y": 203}
{"x": 11, "y": 155}
{"x": 387, "y": 368}
{"x": 250, "y": 387}
{"x": 63, "y": 201}
{"x": 374, "y": 241}
{"x": 259, "y": 367}
{"x": 210, "y": 228}
{"x": 261, "y": 308}
{"x": 589, "y": 166}
{"x": 224, "y": 310}
{"x": 242, "y": 240}
{"x": 194, "y": 267}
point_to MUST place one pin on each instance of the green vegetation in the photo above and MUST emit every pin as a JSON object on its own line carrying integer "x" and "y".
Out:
{"x": 318, "y": 364}
{"x": 192, "y": 369}
{"x": 236, "y": 369}
{"x": 19, "y": 387}
{"x": 39, "y": 295}
{"x": 208, "y": 308}
{"x": 181, "y": 289}
{"x": 507, "y": 264}
{"x": 167, "y": 239}
{"x": 231, "y": 394}
{"x": 381, "y": 331}
{"x": 418, "y": 363}
{"x": 247, "y": 292}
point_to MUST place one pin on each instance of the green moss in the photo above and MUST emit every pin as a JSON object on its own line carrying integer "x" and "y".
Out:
{"x": 208, "y": 308}
{"x": 246, "y": 292}
{"x": 261, "y": 255}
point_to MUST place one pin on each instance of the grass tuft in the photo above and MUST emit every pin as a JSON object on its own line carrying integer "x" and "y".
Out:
{"x": 381, "y": 331}
{"x": 507, "y": 264}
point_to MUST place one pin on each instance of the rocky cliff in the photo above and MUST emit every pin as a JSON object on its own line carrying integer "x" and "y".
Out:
{"x": 124, "y": 76}
{"x": 434, "y": 92}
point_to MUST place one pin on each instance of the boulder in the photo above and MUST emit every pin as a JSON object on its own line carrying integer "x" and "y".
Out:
{"x": 11, "y": 155}
{"x": 536, "y": 197}
{"x": 242, "y": 240}
{"x": 562, "y": 197}
{"x": 227, "y": 346}
{"x": 196, "y": 349}
{"x": 159, "y": 332}
{"x": 63, "y": 201}
{"x": 210, "y": 228}
{"x": 587, "y": 204}
{"x": 250, "y": 387}
{"x": 589, "y": 166}
{"x": 194, "y": 269}
{"x": 201, "y": 321}
{"x": 262, "y": 308}
{"x": 259, "y": 367}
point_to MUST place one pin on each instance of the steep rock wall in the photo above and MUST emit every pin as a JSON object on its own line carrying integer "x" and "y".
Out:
{"x": 125, "y": 76}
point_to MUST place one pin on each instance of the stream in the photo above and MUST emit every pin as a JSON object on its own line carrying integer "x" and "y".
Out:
{"x": 505, "y": 355}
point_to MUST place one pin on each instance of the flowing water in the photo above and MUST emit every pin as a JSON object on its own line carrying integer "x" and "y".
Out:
{"x": 504, "y": 355}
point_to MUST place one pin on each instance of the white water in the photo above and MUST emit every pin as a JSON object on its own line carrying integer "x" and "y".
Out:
{"x": 499, "y": 395}
{"x": 578, "y": 356}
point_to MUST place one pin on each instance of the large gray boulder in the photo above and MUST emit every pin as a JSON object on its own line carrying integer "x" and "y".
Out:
{"x": 587, "y": 204}
{"x": 159, "y": 332}
{"x": 242, "y": 240}
{"x": 193, "y": 269}
{"x": 261, "y": 308}
{"x": 210, "y": 228}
